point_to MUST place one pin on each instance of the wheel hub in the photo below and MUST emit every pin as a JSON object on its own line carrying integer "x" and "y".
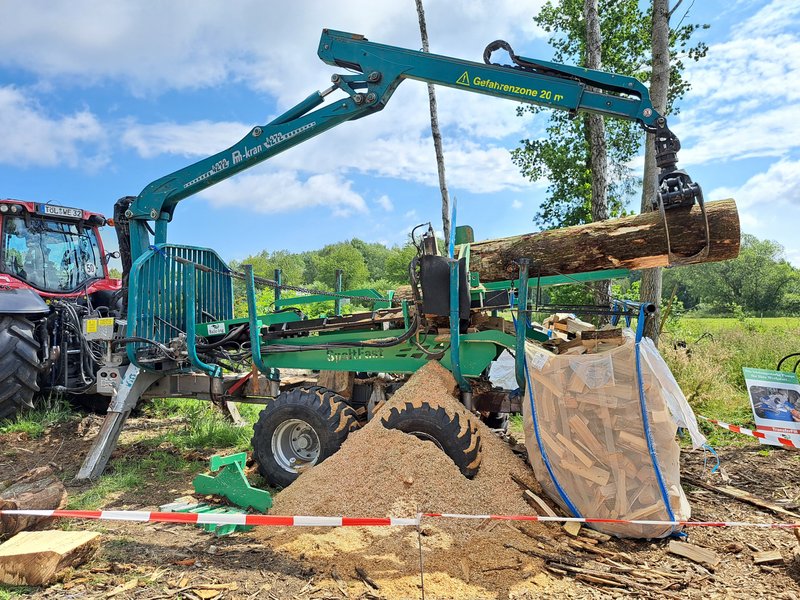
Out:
{"x": 295, "y": 445}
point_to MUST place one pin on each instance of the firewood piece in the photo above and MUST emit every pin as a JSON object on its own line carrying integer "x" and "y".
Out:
{"x": 577, "y": 452}
{"x": 599, "y": 580}
{"x": 362, "y": 575}
{"x": 581, "y": 430}
{"x": 39, "y": 488}
{"x": 36, "y": 557}
{"x": 572, "y": 528}
{"x": 601, "y": 334}
{"x": 704, "y": 556}
{"x": 635, "y": 242}
{"x": 537, "y": 503}
{"x": 595, "y": 535}
{"x": 576, "y": 325}
{"x": 769, "y": 556}
{"x": 632, "y": 441}
{"x": 593, "y": 474}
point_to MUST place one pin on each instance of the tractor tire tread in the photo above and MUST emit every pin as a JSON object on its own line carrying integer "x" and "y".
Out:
{"x": 20, "y": 364}
{"x": 458, "y": 435}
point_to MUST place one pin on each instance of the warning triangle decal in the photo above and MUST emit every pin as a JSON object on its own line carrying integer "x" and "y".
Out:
{"x": 464, "y": 79}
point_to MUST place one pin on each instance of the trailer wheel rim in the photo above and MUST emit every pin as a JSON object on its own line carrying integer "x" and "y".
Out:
{"x": 295, "y": 445}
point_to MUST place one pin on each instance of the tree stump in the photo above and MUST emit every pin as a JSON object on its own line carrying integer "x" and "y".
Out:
{"x": 40, "y": 489}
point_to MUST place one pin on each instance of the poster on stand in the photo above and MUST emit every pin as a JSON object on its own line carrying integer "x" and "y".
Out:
{"x": 775, "y": 399}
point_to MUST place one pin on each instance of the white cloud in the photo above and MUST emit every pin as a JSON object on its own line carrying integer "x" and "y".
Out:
{"x": 516, "y": 203}
{"x": 385, "y": 203}
{"x": 768, "y": 203}
{"x": 151, "y": 47}
{"x": 748, "y": 86}
{"x": 32, "y": 137}
{"x": 770, "y": 19}
{"x": 763, "y": 132}
{"x": 199, "y": 138}
{"x": 383, "y": 151}
{"x": 284, "y": 191}
{"x": 778, "y": 185}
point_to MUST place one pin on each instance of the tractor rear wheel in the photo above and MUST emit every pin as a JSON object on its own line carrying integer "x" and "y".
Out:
{"x": 19, "y": 364}
{"x": 456, "y": 435}
{"x": 299, "y": 429}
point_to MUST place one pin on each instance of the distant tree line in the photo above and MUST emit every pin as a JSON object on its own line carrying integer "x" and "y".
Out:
{"x": 364, "y": 265}
{"x": 759, "y": 282}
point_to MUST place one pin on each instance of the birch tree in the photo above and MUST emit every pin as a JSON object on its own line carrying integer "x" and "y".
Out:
{"x": 435, "y": 133}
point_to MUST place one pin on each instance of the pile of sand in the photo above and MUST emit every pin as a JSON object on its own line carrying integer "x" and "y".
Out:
{"x": 380, "y": 472}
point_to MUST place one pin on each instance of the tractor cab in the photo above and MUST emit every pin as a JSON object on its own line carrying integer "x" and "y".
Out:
{"x": 54, "y": 249}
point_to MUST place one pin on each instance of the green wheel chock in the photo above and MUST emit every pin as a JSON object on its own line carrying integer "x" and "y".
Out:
{"x": 232, "y": 484}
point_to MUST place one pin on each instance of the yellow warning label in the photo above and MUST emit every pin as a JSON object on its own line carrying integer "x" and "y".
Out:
{"x": 91, "y": 326}
{"x": 106, "y": 322}
{"x": 464, "y": 79}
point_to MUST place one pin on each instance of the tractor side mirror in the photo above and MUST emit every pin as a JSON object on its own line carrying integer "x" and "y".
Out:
{"x": 110, "y": 255}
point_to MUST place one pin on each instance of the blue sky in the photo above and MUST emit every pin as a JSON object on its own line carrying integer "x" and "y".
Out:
{"x": 97, "y": 99}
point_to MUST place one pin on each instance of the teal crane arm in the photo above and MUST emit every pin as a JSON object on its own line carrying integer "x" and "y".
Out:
{"x": 377, "y": 70}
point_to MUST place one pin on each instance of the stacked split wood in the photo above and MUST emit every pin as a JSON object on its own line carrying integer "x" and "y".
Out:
{"x": 592, "y": 430}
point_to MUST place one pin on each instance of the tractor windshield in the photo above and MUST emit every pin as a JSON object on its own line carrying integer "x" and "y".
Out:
{"x": 52, "y": 256}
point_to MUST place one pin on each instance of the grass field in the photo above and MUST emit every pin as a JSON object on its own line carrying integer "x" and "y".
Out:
{"x": 709, "y": 366}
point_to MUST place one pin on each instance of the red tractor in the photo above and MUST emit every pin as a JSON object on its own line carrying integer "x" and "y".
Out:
{"x": 56, "y": 297}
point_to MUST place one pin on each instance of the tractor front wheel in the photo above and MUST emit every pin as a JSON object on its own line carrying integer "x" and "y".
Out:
{"x": 456, "y": 435}
{"x": 299, "y": 429}
{"x": 19, "y": 364}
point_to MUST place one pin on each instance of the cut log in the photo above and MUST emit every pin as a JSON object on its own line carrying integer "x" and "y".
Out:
{"x": 340, "y": 382}
{"x": 636, "y": 242}
{"x": 39, "y": 488}
{"x": 36, "y": 557}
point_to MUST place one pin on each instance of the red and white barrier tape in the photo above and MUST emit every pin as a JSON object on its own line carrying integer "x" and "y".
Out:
{"x": 777, "y": 437}
{"x": 282, "y": 521}
{"x": 214, "y": 518}
{"x": 588, "y": 520}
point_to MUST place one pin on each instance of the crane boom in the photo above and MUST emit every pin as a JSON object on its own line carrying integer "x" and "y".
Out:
{"x": 378, "y": 70}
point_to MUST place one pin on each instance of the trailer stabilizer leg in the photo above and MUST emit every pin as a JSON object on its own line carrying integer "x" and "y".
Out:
{"x": 134, "y": 383}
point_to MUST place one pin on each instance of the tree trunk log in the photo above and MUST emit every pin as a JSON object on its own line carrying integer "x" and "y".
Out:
{"x": 635, "y": 242}
{"x": 40, "y": 489}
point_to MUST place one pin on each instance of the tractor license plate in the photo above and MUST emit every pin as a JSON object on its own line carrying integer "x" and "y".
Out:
{"x": 62, "y": 211}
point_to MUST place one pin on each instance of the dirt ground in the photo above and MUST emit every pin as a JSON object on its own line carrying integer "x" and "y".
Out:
{"x": 478, "y": 560}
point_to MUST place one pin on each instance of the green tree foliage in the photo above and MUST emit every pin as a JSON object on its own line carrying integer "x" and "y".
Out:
{"x": 562, "y": 156}
{"x": 344, "y": 256}
{"x": 375, "y": 255}
{"x": 759, "y": 281}
{"x": 365, "y": 265}
{"x": 265, "y": 262}
{"x": 397, "y": 264}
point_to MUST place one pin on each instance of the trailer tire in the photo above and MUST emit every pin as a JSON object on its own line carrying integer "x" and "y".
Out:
{"x": 20, "y": 364}
{"x": 461, "y": 441}
{"x": 299, "y": 429}
{"x": 497, "y": 421}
